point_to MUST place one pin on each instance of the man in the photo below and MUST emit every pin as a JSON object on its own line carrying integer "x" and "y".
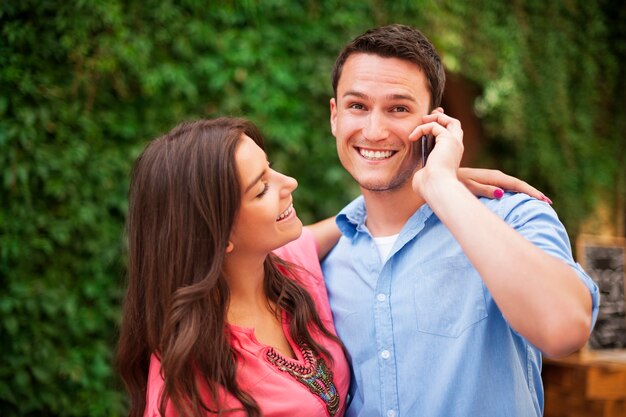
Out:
{"x": 445, "y": 302}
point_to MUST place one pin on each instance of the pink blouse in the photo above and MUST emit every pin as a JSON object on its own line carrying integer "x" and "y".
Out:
{"x": 283, "y": 387}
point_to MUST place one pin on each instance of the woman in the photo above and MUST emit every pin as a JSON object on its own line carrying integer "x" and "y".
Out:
{"x": 226, "y": 311}
{"x": 230, "y": 325}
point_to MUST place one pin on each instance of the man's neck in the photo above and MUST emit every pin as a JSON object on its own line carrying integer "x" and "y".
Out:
{"x": 388, "y": 212}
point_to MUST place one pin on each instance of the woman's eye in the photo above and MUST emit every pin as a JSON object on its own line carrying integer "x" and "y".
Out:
{"x": 266, "y": 187}
{"x": 400, "y": 109}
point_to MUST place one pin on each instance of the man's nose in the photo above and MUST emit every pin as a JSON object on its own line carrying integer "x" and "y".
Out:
{"x": 375, "y": 127}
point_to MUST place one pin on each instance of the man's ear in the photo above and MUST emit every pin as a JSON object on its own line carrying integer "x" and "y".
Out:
{"x": 333, "y": 116}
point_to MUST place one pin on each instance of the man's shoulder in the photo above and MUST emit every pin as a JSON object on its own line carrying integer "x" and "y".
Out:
{"x": 515, "y": 203}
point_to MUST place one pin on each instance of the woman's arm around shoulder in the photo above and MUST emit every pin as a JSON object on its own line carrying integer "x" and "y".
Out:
{"x": 326, "y": 234}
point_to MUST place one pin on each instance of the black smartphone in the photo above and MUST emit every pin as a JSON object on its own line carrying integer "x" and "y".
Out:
{"x": 428, "y": 143}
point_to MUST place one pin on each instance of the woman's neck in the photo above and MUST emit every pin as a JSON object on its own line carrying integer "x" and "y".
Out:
{"x": 245, "y": 278}
{"x": 249, "y": 306}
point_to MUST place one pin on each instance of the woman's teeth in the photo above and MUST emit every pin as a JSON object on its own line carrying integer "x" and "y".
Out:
{"x": 285, "y": 213}
{"x": 375, "y": 155}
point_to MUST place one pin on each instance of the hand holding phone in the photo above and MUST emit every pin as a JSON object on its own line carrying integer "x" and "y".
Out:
{"x": 428, "y": 143}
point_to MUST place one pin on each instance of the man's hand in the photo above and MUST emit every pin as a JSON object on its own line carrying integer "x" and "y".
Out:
{"x": 481, "y": 182}
{"x": 445, "y": 158}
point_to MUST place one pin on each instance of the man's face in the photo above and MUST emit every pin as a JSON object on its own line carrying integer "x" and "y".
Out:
{"x": 379, "y": 102}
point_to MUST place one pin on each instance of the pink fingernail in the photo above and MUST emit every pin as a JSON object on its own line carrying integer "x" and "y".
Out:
{"x": 498, "y": 193}
{"x": 546, "y": 199}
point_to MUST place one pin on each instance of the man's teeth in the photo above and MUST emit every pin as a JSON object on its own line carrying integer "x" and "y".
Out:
{"x": 367, "y": 154}
{"x": 285, "y": 213}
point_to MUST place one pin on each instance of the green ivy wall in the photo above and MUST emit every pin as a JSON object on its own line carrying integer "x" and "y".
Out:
{"x": 85, "y": 84}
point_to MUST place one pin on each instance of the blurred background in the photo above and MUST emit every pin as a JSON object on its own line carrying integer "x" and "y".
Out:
{"x": 540, "y": 88}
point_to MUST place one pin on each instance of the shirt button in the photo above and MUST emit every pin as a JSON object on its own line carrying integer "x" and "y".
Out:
{"x": 391, "y": 413}
{"x": 381, "y": 297}
{"x": 385, "y": 355}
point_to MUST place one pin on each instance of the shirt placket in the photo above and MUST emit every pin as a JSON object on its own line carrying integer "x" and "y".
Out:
{"x": 385, "y": 349}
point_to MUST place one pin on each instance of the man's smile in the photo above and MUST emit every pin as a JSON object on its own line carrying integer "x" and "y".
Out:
{"x": 376, "y": 155}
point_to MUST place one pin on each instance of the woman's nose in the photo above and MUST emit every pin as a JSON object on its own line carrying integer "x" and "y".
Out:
{"x": 289, "y": 184}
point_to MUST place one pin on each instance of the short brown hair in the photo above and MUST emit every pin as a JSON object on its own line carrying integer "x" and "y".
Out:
{"x": 397, "y": 41}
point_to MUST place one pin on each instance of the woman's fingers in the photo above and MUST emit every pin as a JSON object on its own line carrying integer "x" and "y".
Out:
{"x": 490, "y": 183}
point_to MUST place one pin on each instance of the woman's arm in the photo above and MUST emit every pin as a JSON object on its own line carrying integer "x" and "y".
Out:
{"x": 492, "y": 183}
{"x": 326, "y": 235}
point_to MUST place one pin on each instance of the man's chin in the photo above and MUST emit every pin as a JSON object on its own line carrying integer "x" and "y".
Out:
{"x": 378, "y": 187}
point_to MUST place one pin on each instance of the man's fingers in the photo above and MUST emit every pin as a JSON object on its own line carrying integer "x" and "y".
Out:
{"x": 431, "y": 128}
{"x": 450, "y": 123}
{"x": 437, "y": 116}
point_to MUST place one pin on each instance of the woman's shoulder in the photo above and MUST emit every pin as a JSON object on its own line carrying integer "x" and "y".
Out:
{"x": 154, "y": 388}
{"x": 301, "y": 252}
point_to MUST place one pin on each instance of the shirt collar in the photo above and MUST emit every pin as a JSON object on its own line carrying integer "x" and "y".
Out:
{"x": 352, "y": 218}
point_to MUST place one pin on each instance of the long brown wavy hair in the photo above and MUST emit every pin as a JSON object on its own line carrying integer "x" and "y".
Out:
{"x": 183, "y": 201}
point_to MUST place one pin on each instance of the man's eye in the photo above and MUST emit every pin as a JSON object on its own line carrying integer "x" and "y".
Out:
{"x": 400, "y": 109}
{"x": 357, "y": 106}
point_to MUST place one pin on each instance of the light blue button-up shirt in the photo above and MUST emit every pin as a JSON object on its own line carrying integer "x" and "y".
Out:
{"x": 425, "y": 337}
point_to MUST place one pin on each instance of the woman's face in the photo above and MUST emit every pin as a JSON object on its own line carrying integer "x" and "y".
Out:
{"x": 266, "y": 219}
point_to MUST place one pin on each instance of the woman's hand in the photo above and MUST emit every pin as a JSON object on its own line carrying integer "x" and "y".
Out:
{"x": 491, "y": 183}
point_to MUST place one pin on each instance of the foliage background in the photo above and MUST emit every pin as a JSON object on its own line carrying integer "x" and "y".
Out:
{"x": 84, "y": 84}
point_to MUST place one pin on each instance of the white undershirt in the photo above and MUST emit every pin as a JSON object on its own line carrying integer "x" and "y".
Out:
{"x": 384, "y": 245}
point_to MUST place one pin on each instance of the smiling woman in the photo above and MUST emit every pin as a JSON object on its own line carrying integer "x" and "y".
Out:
{"x": 266, "y": 204}
{"x": 226, "y": 308}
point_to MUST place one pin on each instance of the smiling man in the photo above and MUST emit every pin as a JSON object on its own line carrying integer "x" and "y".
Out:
{"x": 445, "y": 302}
{"x": 373, "y": 152}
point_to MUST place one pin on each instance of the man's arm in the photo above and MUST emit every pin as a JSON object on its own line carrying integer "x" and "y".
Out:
{"x": 541, "y": 297}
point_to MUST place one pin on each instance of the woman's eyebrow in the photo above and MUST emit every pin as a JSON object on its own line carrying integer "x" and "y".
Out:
{"x": 256, "y": 180}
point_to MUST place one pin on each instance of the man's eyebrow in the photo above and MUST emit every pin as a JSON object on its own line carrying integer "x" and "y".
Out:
{"x": 401, "y": 97}
{"x": 355, "y": 93}
{"x": 388, "y": 97}
{"x": 255, "y": 181}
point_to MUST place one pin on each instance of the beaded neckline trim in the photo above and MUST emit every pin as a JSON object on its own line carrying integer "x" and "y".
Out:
{"x": 314, "y": 374}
